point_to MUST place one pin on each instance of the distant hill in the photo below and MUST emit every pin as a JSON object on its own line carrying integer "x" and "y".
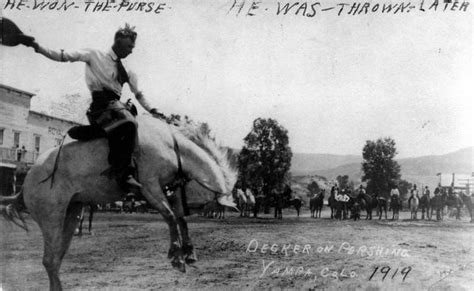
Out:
{"x": 307, "y": 164}
{"x": 421, "y": 170}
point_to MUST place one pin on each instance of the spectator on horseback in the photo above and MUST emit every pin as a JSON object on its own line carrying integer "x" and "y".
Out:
{"x": 413, "y": 194}
{"x": 105, "y": 76}
{"x": 394, "y": 191}
{"x": 426, "y": 191}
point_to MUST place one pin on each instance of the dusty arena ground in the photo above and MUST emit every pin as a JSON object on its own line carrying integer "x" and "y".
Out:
{"x": 128, "y": 252}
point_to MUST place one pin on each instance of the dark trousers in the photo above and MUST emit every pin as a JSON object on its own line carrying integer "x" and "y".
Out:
{"x": 121, "y": 145}
{"x": 121, "y": 142}
{"x": 121, "y": 139}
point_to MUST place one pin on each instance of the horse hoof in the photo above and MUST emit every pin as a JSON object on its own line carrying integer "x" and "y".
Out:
{"x": 174, "y": 251}
{"x": 178, "y": 264}
{"x": 190, "y": 259}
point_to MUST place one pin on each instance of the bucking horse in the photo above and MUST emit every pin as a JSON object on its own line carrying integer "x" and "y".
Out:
{"x": 66, "y": 178}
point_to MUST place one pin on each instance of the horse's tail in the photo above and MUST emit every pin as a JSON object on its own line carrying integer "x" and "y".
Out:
{"x": 12, "y": 207}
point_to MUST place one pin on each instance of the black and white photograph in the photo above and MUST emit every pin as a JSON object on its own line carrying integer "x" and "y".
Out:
{"x": 236, "y": 145}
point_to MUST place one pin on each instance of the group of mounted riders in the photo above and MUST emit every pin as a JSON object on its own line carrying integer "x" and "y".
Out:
{"x": 345, "y": 203}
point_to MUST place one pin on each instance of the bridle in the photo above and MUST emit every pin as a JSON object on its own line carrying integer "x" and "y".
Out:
{"x": 181, "y": 180}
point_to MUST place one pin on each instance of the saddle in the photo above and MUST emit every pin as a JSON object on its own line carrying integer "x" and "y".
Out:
{"x": 113, "y": 120}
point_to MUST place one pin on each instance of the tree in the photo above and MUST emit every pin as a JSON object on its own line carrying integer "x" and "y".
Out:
{"x": 343, "y": 181}
{"x": 379, "y": 167}
{"x": 265, "y": 159}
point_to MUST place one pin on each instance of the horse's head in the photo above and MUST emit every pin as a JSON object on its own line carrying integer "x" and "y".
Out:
{"x": 208, "y": 166}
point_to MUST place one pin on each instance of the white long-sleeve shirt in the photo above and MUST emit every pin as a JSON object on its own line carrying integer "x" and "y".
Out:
{"x": 101, "y": 70}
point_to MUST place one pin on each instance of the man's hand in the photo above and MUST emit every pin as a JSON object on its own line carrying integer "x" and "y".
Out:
{"x": 28, "y": 41}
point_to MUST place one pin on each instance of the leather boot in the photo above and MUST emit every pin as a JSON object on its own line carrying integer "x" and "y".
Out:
{"x": 126, "y": 180}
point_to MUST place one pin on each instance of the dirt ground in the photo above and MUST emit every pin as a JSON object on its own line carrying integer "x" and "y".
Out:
{"x": 129, "y": 252}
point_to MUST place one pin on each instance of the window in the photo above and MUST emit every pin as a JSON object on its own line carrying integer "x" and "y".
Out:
{"x": 2, "y": 131}
{"x": 16, "y": 139}
{"x": 37, "y": 143}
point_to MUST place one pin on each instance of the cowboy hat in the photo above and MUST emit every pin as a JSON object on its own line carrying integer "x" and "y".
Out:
{"x": 11, "y": 35}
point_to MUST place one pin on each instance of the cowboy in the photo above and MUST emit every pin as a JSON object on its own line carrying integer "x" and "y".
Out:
{"x": 394, "y": 191}
{"x": 426, "y": 191}
{"x": 105, "y": 76}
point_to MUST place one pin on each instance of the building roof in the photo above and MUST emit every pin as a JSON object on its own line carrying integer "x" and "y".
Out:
{"x": 53, "y": 117}
{"x": 17, "y": 90}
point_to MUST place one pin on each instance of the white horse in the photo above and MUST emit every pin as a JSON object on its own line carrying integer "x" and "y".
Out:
{"x": 250, "y": 202}
{"x": 60, "y": 183}
{"x": 241, "y": 201}
{"x": 413, "y": 203}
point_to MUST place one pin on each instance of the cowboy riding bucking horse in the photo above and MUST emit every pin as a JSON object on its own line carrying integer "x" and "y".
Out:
{"x": 108, "y": 117}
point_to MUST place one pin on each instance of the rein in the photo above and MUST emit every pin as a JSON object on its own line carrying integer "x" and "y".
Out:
{"x": 56, "y": 162}
{"x": 181, "y": 180}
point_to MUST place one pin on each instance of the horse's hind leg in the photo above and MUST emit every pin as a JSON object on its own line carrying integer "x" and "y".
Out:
{"x": 57, "y": 238}
{"x": 91, "y": 216}
{"x": 81, "y": 221}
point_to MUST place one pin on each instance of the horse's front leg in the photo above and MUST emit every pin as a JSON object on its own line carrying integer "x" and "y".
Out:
{"x": 153, "y": 193}
{"x": 178, "y": 210}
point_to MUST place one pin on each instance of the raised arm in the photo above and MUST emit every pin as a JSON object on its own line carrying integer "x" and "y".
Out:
{"x": 62, "y": 55}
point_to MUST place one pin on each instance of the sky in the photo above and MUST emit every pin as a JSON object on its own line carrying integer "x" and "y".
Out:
{"x": 332, "y": 81}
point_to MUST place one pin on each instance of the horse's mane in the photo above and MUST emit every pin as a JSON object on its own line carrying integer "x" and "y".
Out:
{"x": 218, "y": 153}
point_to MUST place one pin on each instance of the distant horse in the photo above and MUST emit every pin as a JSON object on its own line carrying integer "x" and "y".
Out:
{"x": 342, "y": 202}
{"x": 92, "y": 208}
{"x": 382, "y": 205}
{"x": 259, "y": 200}
{"x": 297, "y": 203}
{"x": 338, "y": 204}
{"x": 413, "y": 204}
{"x": 455, "y": 202}
{"x": 241, "y": 201}
{"x": 437, "y": 203}
{"x": 279, "y": 204}
{"x": 370, "y": 204}
{"x": 425, "y": 204}
{"x": 64, "y": 178}
{"x": 282, "y": 200}
{"x": 249, "y": 206}
{"x": 467, "y": 200}
{"x": 395, "y": 206}
{"x": 316, "y": 205}
{"x": 332, "y": 203}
